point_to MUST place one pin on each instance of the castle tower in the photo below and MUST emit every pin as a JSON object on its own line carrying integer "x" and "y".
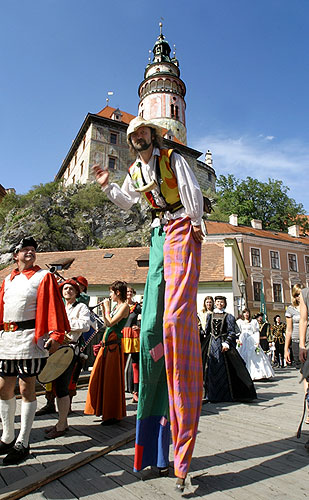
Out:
{"x": 162, "y": 91}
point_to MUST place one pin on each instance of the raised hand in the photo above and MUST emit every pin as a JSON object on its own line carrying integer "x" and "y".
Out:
{"x": 102, "y": 176}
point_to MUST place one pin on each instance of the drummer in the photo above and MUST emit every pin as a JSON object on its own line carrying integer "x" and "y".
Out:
{"x": 79, "y": 318}
{"x": 32, "y": 317}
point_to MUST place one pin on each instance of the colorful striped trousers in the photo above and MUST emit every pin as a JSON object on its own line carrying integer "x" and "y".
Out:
{"x": 180, "y": 377}
{"x": 182, "y": 349}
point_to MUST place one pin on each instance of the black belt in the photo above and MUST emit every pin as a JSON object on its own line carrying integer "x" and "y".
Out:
{"x": 12, "y": 326}
{"x": 111, "y": 342}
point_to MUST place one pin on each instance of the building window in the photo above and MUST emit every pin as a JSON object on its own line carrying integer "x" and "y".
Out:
{"x": 75, "y": 159}
{"x": 274, "y": 260}
{"x": 209, "y": 177}
{"x": 73, "y": 179}
{"x": 111, "y": 163}
{"x": 81, "y": 168}
{"x": 257, "y": 288}
{"x": 172, "y": 110}
{"x": 69, "y": 171}
{"x": 113, "y": 138}
{"x": 255, "y": 257}
{"x": 176, "y": 113}
{"x": 277, "y": 289}
{"x": 307, "y": 263}
{"x": 292, "y": 262}
{"x": 84, "y": 142}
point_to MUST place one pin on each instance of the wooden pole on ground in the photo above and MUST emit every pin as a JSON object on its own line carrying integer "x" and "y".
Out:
{"x": 37, "y": 480}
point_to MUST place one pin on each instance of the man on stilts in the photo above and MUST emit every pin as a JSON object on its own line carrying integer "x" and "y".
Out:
{"x": 171, "y": 382}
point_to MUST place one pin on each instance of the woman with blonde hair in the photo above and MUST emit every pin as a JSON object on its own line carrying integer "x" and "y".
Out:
{"x": 292, "y": 339}
{"x": 208, "y": 307}
{"x": 292, "y": 314}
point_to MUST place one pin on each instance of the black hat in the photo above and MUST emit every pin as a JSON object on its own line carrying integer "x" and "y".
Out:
{"x": 27, "y": 241}
{"x": 220, "y": 297}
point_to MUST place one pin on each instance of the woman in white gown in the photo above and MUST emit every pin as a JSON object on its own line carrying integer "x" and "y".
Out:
{"x": 248, "y": 345}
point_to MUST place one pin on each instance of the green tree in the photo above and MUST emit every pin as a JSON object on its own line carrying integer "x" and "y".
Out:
{"x": 253, "y": 199}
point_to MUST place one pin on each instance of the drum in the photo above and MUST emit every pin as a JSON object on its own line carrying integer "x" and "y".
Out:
{"x": 56, "y": 364}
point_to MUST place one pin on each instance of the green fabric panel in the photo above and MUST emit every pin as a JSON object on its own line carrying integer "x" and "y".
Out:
{"x": 153, "y": 396}
{"x": 116, "y": 328}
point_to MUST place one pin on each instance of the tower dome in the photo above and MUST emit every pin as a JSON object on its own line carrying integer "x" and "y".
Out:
{"x": 162, "y": 91}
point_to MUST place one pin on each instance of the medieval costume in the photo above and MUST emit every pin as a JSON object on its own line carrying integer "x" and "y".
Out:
{"x": 131, "y": 348}
{"x": 170, "y": 388}
{"x": 278, "y": 335}
{"x": 106, "y": 395}
{"x": 226, "y": 377}
{"x": 31, "y": 314}
{"x": 257, "y": 362}
{"x": 264, "y": 328}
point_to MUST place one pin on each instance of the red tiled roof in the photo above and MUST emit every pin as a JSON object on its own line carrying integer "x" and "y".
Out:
{"x": 122, "y": 265}
{"x": 224, "y": 228}
{"x": 107, "y": 112}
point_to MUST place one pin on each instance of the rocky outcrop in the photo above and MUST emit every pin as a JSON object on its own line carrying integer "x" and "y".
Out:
{"x": 74, "y": 218}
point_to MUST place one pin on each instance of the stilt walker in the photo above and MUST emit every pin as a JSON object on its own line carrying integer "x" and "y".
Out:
{"x": 171, "y": 383}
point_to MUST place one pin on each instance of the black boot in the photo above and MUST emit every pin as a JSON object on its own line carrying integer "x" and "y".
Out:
{"x": 47, "y": 409}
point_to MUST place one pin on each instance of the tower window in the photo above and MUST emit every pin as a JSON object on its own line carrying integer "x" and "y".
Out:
{"x": 176, "y": 112}
{"x": 172, "y": 110}
{"x": 81, "y": 168}
{"x": 113, "y": 138}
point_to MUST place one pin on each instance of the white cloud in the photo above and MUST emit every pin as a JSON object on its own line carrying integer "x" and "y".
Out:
{"x": 262, "y": 157}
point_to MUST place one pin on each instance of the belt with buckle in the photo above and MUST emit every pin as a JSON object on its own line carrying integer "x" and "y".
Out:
{"x": 12, "y": 326}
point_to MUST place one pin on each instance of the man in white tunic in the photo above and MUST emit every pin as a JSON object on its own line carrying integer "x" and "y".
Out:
{"x": 32, "y": 319}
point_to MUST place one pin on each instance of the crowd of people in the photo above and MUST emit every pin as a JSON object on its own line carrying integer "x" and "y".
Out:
{"x": 169, "y": 357}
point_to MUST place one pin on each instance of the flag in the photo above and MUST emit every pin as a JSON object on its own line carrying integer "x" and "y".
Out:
{"x": 263, "y": 303}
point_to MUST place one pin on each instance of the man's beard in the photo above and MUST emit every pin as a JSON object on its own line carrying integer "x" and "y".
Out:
{"x": 142, "y": 145}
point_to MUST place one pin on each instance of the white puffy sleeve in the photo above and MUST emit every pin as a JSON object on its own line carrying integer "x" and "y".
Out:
{"x": 125, "y": 196}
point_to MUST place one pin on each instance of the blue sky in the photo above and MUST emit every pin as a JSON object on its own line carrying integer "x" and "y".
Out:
{"x": 244, "y": 62}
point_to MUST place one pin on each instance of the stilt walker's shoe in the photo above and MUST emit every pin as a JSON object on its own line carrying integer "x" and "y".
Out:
{"x": 180, "y": 485}
{"x": 17, "y": 454}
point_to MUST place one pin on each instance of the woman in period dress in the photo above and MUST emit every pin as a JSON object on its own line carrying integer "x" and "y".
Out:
{"x": 248, "y": 345}
{"x": 207, "y": 309}
{"x": 106, "y": 395}
{"x": 226, "y": 376}
{"x": 131, "y": 345}
{"x": 292, "y": 314}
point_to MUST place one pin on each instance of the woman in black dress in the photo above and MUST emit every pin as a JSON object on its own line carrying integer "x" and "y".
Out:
{"x": 226, "y": 377}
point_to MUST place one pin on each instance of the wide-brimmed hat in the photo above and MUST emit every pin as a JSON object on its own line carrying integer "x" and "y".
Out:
{"x": 72, "y": 283}
{"x": 27, "y": 241}
{"x": 138, "y": 122}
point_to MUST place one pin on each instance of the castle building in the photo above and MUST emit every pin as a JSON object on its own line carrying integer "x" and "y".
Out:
{"x": 102, "y": 136}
